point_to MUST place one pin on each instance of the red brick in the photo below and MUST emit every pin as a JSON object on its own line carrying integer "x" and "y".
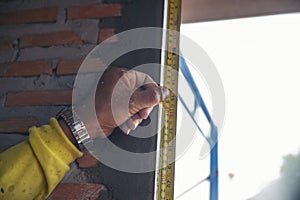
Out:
{"x": 50, "y": 39}
{"x": 87, "y": 160}
{"x": 107, "y": 33}
{"x": 26, "y": 68}
{"x": 39, "y": 98}
{"x": 5, "y": 43}
{"x": 17, "y": 125}
{"x": 67, "y": 67}
{"x": 29, "y": 16}
{"x": 94, "y": 11}
{"x": 78, "y": 191}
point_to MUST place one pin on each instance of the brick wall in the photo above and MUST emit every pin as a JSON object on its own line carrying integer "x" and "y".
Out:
{"x": 42, "y": 44}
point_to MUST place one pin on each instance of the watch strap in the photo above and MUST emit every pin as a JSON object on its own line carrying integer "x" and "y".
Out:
{"x": 77, "y": 127}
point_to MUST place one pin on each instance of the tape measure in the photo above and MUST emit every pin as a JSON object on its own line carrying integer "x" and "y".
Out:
{"x": 166, "y": 172}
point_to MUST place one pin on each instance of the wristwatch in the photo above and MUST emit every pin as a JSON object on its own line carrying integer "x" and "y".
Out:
{"x": 77, "y": 128}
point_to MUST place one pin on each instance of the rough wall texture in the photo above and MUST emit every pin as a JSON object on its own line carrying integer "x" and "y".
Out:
{"x": 42, "y": 44}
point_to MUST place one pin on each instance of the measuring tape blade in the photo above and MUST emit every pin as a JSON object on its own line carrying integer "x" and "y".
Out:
{"x": 166, "y": 172}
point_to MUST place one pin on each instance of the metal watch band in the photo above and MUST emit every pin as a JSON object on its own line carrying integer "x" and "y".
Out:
{"x": 77, "y": 127}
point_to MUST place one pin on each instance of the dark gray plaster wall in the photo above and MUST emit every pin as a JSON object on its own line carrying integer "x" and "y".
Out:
{"x": 127, "y": 186}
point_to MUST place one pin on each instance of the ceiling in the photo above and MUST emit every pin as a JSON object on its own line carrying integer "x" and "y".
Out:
{"x": 209, "y": 10}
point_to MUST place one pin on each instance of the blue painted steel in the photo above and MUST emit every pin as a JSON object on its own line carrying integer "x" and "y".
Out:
{"x": 213, "y": 138}
{"x": 198, "y": 98}
{"x": 214, "y": 177}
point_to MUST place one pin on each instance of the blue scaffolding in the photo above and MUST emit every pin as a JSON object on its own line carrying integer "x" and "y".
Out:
{"x": 212, "y": 139}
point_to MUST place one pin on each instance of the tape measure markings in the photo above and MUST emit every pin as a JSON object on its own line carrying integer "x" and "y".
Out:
{"x": 166, "y": 172}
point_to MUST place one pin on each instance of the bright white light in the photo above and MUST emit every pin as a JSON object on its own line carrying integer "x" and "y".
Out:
{"x": 259, "y": 63}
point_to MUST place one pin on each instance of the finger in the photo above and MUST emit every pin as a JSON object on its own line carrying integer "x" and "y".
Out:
{"x": 125, "y": 128}
{"x": 144, "y": 113}
{"x": 147, "y": 96}
{"x": 146, "y": 93}
{"x": 134, "y": 121}
{"x": 131, "y": 124}
{"x": 145, "y": 122}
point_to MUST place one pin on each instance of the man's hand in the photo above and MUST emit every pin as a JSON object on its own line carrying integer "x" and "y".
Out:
{"x": 124, "y": 98}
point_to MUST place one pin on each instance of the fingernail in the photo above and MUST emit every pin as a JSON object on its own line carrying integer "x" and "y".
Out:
{"x": 165, "y": 93}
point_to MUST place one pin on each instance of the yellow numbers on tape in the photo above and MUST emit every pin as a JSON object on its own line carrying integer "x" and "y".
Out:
{"x": 166, "y": 172}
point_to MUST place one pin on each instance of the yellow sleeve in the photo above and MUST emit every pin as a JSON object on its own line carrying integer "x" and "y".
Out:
{"x": 33, "y": 168}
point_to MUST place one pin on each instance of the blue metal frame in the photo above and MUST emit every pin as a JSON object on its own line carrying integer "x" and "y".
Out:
{"x": 211, "y": 139}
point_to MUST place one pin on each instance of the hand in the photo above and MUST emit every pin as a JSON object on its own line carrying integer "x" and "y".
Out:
{"x": 124, "y": 98}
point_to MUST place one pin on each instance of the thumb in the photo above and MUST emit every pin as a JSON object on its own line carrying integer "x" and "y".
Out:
{"x": 147, "y": 96}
